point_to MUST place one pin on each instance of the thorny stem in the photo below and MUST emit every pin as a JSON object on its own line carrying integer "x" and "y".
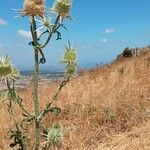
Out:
{"x": 12, "y": 114}
{"x": 12, "y": 91}
{"x": 36, "y": 73}
{"x": 10, "y": 110}
{"x": 46, "y": 110}
{"x": 55, "y": 28}
{"x": 47, "y": 31}
{"x": 37, "y": 48}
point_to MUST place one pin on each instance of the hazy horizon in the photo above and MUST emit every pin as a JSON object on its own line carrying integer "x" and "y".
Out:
{"x": 100, "y": 31}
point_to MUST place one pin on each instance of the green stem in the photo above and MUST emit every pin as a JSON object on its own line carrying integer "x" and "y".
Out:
{"x": 46, "y": 110}
{"x": 36, "y": 73}
{"x": 55, "y": 27}
{"x": 43, "y": 34}
{"x": 18, "y": 99}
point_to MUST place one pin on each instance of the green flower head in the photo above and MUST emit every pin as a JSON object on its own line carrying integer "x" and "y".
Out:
{"x": 54, "y": 135}
{"x": 7, "y": 69}
{"x": 70, "y": 54}
{"x": 70, "y": 58}
{"x": 63, "y": 8}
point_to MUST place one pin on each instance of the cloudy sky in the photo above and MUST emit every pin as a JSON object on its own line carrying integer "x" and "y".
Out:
{"x": 100, "y": 30}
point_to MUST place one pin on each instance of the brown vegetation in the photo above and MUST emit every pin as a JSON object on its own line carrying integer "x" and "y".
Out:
{"x": 106, "y": 108}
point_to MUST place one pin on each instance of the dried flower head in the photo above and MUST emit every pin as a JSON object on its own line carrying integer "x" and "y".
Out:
{"x": 33, "y": 7}
{"x": 63, "y": 8}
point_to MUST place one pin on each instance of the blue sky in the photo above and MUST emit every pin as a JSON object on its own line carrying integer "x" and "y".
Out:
{"x": 101, "y": 30}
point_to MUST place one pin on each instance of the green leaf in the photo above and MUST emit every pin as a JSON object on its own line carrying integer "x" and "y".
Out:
{"x": 19, "y": 139}
{"x": 55, "y": 110}
{"x": 57, "y": 125}
{"x": 8, "y": 96}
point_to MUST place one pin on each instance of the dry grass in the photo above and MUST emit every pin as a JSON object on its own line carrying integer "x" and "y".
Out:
{"x": 105, "y": 108}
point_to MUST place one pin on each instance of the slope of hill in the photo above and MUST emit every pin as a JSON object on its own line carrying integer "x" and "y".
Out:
{"x": 137, "y": 139}
{"x": 104, "y": 108}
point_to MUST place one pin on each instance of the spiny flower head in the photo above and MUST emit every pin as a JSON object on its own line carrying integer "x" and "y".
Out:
{"x": 44, "y": 23}
{"x": 54, "y": 135}
{"x": 7, "y": 70}
{"x": 63, "y": 8}
{"x": 70, "y": 58}
{"x": 70, "y": 54}
{"x": 33, "y": 8}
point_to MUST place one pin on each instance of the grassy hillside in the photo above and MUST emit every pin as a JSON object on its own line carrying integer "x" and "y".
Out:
{"x": 106, "y": 108}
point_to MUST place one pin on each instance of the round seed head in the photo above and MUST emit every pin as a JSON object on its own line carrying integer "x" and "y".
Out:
{"x": 70, "y": 55}
{"x": 70, "y": 69}
{"x": 63, "y": 8}
{"x": 54, "y": 134}
{"x": 7, "y": 69}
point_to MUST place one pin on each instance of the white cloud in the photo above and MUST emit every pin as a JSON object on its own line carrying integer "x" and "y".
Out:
{"x": 24, "y": 34}
{"x": 2, "y": 22}
{"x": 109, "y": 30}
{"x": 104, "y": 40}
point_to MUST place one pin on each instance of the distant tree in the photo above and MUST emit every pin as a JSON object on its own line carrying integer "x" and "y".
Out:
{"x": 127, "y": 52}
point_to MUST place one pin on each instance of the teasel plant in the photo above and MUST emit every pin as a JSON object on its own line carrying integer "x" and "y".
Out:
{"x": 38, "y": 13}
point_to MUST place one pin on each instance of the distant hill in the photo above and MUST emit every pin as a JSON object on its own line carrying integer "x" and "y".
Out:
{"x": 110, "y": 105}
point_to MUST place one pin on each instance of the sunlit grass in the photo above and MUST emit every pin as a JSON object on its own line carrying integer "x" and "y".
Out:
{"x": 100, "y": 108}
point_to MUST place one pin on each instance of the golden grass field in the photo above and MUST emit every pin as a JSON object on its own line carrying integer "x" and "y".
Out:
{"x": 106, "y": 108}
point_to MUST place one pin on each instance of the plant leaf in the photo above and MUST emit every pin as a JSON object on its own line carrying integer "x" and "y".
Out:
{"x": 55, "y": 110}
